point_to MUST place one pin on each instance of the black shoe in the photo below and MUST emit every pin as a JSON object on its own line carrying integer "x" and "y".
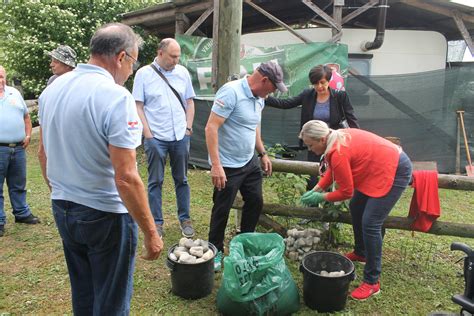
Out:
{"x": 30, "y": 219}
{"x": 2, "y": 230}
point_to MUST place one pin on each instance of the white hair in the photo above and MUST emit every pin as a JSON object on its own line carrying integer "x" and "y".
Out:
{"x": 316, "y": 129}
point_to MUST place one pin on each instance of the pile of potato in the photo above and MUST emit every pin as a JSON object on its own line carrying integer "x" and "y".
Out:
{"x": 191, "y": 251}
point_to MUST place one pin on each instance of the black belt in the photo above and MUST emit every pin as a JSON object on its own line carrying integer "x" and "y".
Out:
{"x": 11, "y": 144}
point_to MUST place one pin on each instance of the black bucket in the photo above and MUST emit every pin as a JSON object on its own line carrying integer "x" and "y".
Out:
{"x": 324, "y": 293}
{"x": 191, "y": 281}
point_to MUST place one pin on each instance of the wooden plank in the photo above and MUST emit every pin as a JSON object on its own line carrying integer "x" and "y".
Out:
{"x": 359, "y": 11}
{"x": 425, "y": 165}
{"x": 321, "y": 13}
{"x": 277, "y": 21}
{"x": 199, "y": 21}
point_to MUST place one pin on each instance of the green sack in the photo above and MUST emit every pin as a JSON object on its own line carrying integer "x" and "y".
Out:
{"x": 256, "y": 279}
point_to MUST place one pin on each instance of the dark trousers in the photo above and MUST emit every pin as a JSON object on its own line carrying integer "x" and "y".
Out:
{"x": 247, "y": 180}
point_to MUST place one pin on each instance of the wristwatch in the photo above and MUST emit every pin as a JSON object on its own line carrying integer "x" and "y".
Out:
{"x": 263, "y": 153}
{"x": 189, "y": 129}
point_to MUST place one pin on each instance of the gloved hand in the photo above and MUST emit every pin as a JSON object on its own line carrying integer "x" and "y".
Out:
{"x": 312, "y": 198}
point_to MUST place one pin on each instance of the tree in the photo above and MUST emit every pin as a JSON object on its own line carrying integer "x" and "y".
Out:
{"x": 30, "y": 29}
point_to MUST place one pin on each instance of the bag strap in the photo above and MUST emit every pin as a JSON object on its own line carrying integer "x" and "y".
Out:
{"x": 341, "y": 108}
{"x": 169, "y": 85}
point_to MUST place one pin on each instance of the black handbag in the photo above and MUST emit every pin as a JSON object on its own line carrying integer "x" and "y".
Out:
{"x": 343, "y": 122}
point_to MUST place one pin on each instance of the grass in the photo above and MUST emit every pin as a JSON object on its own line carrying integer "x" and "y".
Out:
{"x": 420, "y": 273}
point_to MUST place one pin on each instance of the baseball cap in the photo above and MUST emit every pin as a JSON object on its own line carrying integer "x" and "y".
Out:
{"x": 64, "y": 54}
{"x": 273, "y": 72}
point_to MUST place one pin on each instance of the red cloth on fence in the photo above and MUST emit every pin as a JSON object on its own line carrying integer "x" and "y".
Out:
{"x": 424, "y": 207}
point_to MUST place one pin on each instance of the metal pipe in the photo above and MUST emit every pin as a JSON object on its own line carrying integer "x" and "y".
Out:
{"x": 380, "y": 32}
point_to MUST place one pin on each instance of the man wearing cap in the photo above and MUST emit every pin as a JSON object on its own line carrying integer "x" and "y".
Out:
{"x": 167, "y": 117}
{"x": 63, "y": 59}
{"x": 232, "y": 136}
{"x": 15, "y": 131}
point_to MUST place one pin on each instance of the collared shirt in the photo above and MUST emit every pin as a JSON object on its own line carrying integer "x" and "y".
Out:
{"x": 12, "y": 116}
{"x": 163, "y": 111}
{"x": 368, "y": 164}
{"x": 81, "y": 114}
{"x": 243, "y": 112}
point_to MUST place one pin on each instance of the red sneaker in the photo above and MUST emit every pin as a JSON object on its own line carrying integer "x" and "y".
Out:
{"x": 365, "y": 290}
{"x": 352, "y": 256}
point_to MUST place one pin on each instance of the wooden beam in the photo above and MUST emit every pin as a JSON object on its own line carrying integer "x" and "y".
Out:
{"x": 445, "y": 181}
{"x": 359, "y": 11}
{"x": 199, "y": 21}
{"x": 226, "y": 40}
{"x": 277, "y": 21}
{"x": 428, "y": 6}
{"x": 322, "y": 14}
{"x": 337, "y": 16}
{"x": 392, "y": 222}
{"x": 457, "y": 16}
{"x": 215, "y": 41}
{"x": 181, "y": 23}
{"x": 166, "y": 15}
{"x": 269, "y": 223}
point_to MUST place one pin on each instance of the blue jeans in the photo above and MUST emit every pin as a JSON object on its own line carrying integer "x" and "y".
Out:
{"x": 13, "y": 169}
{"x": 100, "y": 254}
{"x": 156, "y": 152}
{"x": 368, "y": 216}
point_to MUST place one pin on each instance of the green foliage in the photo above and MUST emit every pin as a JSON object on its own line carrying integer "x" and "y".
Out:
{"x": 30, "y": 29}
{"x": 34, "y": 117}
{"x": 288, "y": 186}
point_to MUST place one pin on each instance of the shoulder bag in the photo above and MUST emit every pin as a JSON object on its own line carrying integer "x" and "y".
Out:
{"x": 171, "y": 87}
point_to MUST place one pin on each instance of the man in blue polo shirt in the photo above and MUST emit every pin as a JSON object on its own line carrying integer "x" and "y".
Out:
{"x": 232, "y": 136}
{"x": 89, "y": 131}
{"x": 167, "y": 118}
{"x": 15, "y": 133}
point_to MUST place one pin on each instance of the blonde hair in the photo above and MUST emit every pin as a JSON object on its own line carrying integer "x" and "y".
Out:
{"x": 316, "y": 129}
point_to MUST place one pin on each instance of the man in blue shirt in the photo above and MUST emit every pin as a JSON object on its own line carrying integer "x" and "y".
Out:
{"x": 89, "y": 131}
{"x": 232, "y": 136}
{"x": 167, "y": 118}
{"x": 15, "y": 131}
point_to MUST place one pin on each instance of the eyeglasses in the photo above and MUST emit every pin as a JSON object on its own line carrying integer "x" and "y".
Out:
{"x": 136, "y": 63}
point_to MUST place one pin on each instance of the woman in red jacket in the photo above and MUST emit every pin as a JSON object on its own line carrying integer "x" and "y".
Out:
{"x": 373, "y": 173}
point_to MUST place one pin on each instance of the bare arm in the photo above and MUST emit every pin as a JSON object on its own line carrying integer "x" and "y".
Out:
{"x": 28, "y": 128}
{"x": 189, "y": 115}
{"x": 132, "y": 193}
{"x": 212, "y": 141}
{"x": 264, "y": 160}
{"x": 141, "y": 113}
{"x": 42, "y": 158}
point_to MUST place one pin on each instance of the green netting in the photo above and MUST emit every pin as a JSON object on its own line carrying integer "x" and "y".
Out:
{"x": 419, "y": 108}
